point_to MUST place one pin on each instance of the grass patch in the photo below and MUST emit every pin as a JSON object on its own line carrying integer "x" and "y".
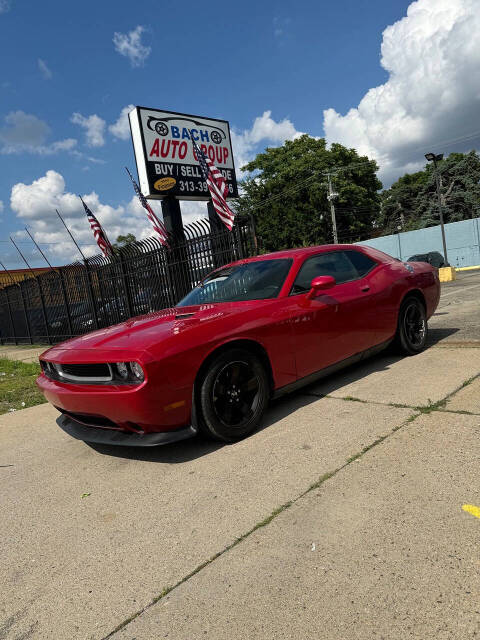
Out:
{"x": 24, "y": 346}
{"x": 469, "y": 381}
{"x": 432, "y": 406}
{"x": 17, "y": 385}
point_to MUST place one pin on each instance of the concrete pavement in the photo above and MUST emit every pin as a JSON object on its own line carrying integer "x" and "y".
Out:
{"x": 150, "y": 517}
{"x": 380, "y": 550}
{"x": 25, "y": 353}
{"x": 341, "y": 518}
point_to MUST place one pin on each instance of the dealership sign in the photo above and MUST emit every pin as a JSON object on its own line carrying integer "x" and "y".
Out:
{"x": 165, "y": 158}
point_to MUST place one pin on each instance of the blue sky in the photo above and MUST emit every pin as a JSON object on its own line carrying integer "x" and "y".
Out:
{"x": 235, "y": 62}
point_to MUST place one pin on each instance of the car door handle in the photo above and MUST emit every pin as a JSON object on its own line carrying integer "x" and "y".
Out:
{"x": 365, "y": 288}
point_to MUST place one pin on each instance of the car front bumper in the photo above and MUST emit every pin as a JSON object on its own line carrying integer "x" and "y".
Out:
{"x": 145, "y": 407}
{"x": 123, "y": 438}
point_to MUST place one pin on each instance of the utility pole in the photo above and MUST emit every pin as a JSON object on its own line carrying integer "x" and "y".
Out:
{"x": 331, "y": 196}
{"x": 431, "y": 157}
{"x": 401, "y": 217}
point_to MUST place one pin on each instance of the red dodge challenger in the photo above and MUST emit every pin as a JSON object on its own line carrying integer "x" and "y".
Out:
{"x": 252, "y": 330}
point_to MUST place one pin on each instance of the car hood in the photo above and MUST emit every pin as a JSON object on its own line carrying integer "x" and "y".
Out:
{"x": 137, "y": 334}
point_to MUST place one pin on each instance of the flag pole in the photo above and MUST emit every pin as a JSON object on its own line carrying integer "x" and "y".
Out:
{"x": 38, "y": 248}
{"x": 23, "y": 257}
{"x": 69, "y": 233}
{"x": 9, "y": 274}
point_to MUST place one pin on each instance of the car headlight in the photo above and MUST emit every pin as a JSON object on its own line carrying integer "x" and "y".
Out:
{"x": 122, "y": 369}
{"x": 129, "y": 372}
{"x": 137, "y": 371}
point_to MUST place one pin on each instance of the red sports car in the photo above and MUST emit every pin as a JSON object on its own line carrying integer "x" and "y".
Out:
{"x": 252, "y": 330}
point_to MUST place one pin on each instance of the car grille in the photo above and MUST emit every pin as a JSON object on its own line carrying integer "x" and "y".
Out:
{"x": 79, "y": 373}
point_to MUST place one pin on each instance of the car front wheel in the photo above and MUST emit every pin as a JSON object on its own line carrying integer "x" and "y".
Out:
{"x": 233, "y": 395}
{"x": 412, "y": 327}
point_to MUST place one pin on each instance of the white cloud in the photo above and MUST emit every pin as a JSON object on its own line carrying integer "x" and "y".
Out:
{"x": 193, "y": 210}
{"x": 121, "y": 128}
{"x": 44, "y": 70}
{"x": 431, "y": 96}
{"x": 4, "y": 6}
{"x": 36, "y": 203}
{"x": 263, "y": 129}
{"x": 130, "y": 45}
{"x": 25, "y": 133}
{"x": 280, "y": 26}
{"x": 94, "y": 128}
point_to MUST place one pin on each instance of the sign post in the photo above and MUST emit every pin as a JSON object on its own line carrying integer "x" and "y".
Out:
{"x": 168, "y": 171}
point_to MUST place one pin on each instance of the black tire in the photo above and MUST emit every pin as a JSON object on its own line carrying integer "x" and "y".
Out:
{"x": 233, "y": 395}
{"x": 412, "y": 328}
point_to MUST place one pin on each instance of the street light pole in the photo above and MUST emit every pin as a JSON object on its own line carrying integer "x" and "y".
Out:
{"x": 431, "y": 157}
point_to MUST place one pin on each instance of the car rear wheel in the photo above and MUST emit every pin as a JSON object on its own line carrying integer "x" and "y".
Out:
{"x": 412, "y": 329}
{"x": 233, "y": 395}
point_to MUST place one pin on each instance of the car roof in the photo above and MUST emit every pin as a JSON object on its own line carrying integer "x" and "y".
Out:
{"x": 298, "y": 253}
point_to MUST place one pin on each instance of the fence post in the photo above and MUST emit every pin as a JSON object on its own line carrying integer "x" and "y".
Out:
{"x": 219, "y": 238}
{"x": 27, "y": 321}
{"x": 173, "y": 222}
{"x": 44, "y": 312}
{"x": 10, "y": 315}
{"x": 90, "y": 294}
{"x": 254, "y": 232}
{"x": 126, "y": 286}
{"x": 65, "y": 301}
{"x": 238, "y": 239}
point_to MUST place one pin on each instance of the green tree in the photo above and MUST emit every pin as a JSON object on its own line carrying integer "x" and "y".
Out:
{"x": 412, "y": 201}
{"x": 124, "y": 240}
{"x": 287, "y": 191}
{"x": 399, "y": 204}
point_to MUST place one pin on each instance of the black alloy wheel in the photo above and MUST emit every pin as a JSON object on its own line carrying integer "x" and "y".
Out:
{"x": 234, "y": 395}
{"x": 412, "y": 327}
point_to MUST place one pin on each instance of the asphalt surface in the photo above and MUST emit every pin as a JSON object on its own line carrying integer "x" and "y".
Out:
{"x": 457, "y": 319}
{"x": 342, "y": 518}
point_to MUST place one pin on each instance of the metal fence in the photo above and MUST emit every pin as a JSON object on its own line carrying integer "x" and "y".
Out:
{"x": 143, "y": 276}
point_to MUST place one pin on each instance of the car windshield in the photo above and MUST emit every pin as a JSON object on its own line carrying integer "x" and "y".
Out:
{"x": 258, "y": 280}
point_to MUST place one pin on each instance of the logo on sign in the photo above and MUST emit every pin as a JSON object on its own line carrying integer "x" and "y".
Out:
{"x": 160, "y": 126}
{"x": 164, "y": 183}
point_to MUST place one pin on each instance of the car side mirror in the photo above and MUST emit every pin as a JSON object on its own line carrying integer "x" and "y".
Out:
{"x": 319, "y": 284}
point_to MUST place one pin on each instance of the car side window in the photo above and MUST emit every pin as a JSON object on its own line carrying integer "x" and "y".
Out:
{"x": 336, "y": 264}
{"x": 362, "y": 263}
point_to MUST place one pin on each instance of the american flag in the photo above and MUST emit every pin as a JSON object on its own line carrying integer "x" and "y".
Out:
{"x": 100, "y": 235}
{"x": 216, "y": 185}
{"x": 157, "y": 225}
